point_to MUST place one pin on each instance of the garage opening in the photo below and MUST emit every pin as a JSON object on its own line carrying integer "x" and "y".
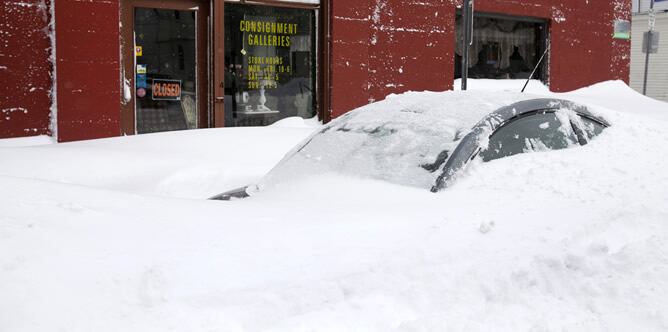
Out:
{"x": 504, "y": 47}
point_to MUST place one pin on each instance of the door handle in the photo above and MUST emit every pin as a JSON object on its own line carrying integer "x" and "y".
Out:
{"x": 220, "y": 99}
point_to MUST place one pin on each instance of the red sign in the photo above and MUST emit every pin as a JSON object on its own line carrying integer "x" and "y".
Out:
{"x": 166, "y": 89}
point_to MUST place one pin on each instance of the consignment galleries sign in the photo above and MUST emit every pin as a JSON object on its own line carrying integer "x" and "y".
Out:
{"x": 261, "y": 33}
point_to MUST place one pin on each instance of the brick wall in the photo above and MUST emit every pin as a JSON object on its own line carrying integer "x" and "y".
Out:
{"x": 88, "y": 69}
{"x": 25, "y": 68}
{"x": 382, "y": 46}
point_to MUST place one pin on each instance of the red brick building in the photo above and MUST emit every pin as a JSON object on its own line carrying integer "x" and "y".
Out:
{"x": 91, "y": 69}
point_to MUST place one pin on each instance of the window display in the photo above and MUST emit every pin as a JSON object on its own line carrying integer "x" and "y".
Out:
{"x": 269, "y": 64}
{"x": 502, "y": 48}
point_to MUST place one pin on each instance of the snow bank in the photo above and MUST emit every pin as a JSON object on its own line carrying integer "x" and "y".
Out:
{"x": 94, "y": 236}
{"x": 297, "y": 122}
{"x": 189, "y": 164}
{"x": 615, "y": 95}
{"x": 619, "y": 96}
{"x": 511, "y": 85}
{"x": 26, "y": 141}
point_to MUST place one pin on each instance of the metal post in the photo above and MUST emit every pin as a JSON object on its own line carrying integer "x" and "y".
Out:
{"x": 650, "y": 38}
{"x": 467, "y": 40}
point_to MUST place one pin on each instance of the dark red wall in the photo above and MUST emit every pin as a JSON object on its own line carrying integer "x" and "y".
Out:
{"x": 378, "y": 47}
{"x": 88, "y": 69}
{"x": 583, "y": 50}
{"x": 381, "y": 47}
{"x": 25, "y": 68}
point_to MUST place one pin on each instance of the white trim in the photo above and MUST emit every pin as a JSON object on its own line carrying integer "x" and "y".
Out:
{"x": 53, "y": 114}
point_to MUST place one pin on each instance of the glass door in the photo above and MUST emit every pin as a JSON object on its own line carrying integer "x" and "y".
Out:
{"x": 166, "y": 95}
{"x": 165, "y": 65}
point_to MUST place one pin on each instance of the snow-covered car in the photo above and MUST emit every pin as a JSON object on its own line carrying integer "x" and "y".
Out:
{"x": 427, "y": 140}
{"x": 566, "y": 240}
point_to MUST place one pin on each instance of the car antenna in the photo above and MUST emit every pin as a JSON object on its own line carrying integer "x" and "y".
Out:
{"x": 536, "y": 68}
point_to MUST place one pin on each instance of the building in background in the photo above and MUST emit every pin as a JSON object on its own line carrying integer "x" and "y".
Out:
{"x": 90, "y": 69}
{"x": 657, "y": 77}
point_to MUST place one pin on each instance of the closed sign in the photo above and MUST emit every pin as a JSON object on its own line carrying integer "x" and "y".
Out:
{"x": 166, "y": 89}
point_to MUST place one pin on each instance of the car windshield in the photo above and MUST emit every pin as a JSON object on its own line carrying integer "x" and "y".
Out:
{"x": 404, "y": 139}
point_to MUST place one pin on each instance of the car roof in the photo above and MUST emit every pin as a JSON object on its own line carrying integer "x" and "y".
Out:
{"x": 448, "y": 112}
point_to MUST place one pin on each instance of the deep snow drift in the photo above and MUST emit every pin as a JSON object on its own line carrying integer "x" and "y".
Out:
{"x": 113, "y": 234}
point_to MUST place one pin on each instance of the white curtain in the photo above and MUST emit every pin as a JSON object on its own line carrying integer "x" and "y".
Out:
{"x": 504, "y": 33}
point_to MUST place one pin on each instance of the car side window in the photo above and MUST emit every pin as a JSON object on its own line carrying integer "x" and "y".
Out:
{"x": 536, "y": 132}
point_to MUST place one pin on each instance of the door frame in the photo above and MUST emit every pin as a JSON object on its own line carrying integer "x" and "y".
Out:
{"x": 128, "y": 65}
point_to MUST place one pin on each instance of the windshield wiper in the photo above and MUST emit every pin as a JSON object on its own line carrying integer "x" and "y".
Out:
{"x": 442, "y": 157}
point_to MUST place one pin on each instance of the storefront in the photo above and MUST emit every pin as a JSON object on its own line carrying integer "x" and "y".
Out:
{"x": 266, "y": 72}
{"x": 91, "y": 69}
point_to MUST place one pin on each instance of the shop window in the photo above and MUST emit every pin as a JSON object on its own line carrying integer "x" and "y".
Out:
{"x": 269, "y": 64}
{"x": 503, "y": 47}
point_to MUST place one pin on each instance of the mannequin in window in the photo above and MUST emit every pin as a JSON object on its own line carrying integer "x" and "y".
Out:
{"x": 458, "y": 66}
{"x": 517, "y": 64}
{"x": 483, "y": 69}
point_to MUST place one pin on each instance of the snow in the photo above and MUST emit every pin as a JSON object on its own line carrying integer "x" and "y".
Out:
{"x": 26, "y": 141}
{"x": 609, "y": 94}
{"x": 514, "y": 85}
{"x": 114, "y": 234}
{"x": 178, "y": 164}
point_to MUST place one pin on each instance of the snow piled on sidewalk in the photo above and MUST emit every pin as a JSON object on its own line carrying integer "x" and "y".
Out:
{"x": 112, "y": 235}
{"x": 192, "y": 164}
{"x": 26, "y": 141}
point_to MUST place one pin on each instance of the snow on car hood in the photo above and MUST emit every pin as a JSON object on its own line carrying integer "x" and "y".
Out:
{"x": 394, "y": 140}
